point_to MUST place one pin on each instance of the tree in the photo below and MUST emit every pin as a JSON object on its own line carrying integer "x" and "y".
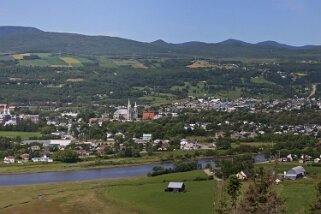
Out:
{"x": 260, "y": 196}
{"x": 67, "y": 156}
{"x": 316, "y": 206}
{"x": 233, "y": 189}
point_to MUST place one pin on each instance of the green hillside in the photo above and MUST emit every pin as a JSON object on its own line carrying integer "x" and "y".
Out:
{"x": 20, "y": 39}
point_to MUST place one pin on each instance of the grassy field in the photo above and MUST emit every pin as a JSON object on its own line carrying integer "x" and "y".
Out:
{"x": 53, "y": 60}
{"x": 34, "y": 62}
{"x": 261, "y": 80}
{"x": 138, "y": 195}
{"x": 200, "y": 64}
{"x": 298, "y": 195}
{"x": 132, "y": 195}
{"x": 160, "y": 99}
{"x": 46, "y": 59}
{"x": 71, "y": 61}
{"x": 23, "y": 135}
{"x": 233, "y": 94}
{"x": 198, "y": 90}
{"x": 20, "y": 56}
{"x": 115, "y": 63}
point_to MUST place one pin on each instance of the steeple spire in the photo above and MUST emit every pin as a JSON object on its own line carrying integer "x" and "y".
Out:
{"x": 128, "y": 105}
{"x": 129, "y": 110}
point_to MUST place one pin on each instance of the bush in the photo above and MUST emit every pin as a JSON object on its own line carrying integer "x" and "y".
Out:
{"x": 67, "y": 156}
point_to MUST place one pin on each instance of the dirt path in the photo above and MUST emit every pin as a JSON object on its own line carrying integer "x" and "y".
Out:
{"x": 314, "y": 90}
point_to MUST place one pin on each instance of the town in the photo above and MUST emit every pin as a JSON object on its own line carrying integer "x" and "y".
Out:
{"x": 109, "y": 133}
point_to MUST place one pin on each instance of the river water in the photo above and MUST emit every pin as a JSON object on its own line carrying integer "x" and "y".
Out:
{"x": 88, "y": 174}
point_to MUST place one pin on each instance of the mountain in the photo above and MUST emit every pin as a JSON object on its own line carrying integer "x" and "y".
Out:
{"x": 10, "y": 30}
{"x": 28, "y": 39}
{"x": 234, "y": 42}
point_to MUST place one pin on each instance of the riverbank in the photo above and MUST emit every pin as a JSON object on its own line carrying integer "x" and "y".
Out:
{"x": 6, "y": 169}
{"x": 129, "y": 195}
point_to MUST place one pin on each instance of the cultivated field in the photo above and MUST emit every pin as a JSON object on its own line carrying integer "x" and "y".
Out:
{"x": 23, "y": 135}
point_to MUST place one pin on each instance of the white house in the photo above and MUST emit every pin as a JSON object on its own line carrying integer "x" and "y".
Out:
{"x": 147, "y": 137}
{"x": 187, "y": 144}
{"x": 9, "y": 159}
{"x": 241, "y": 176}
{"x": 42, "y": 159}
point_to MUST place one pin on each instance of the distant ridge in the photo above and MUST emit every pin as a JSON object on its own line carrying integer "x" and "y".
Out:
{"x": 9, "y": 30}
{"x": 22, "y": 39}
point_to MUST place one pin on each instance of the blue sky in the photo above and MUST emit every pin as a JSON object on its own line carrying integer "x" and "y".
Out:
{"x": 296, "y": 22}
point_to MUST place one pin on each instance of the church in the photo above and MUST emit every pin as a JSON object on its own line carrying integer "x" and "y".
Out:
{"x": 129, "y": 114}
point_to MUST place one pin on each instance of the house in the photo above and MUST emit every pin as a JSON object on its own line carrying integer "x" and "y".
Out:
{"x": 25, "y": 157}
{"x": 289, "y": 158}
{"x": 175, "y": 187}
{"x": 147, "y": 137}
{"x": 9, "y": 159}
{"x": 162, "y": 145}
{"x": 35, "y": 148}
{"x": 295, "y": 172}
{"x": 317, "y": 160}
{"x": 241, "y": 176}
{"x": 42, "y": 159}
{"x": 187, "y": 144}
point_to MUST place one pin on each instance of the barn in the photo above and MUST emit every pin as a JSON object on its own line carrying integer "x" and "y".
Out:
{"x": 295, "y": 172}
{"x": 175, "y": 187}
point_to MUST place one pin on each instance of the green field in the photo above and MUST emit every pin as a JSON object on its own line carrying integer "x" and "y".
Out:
{"x": 160, "y": 99}
{"x": 132, "y": 195}
{"x": 233, "y": 94}
{"x": 53, "y": 60}
{"x": 115, "y": 63}
{"x": 298, "y": 195}
{"x": 23, "y": 135}
{"x": 261, "y": 80}
{"x": 198, "y": 90}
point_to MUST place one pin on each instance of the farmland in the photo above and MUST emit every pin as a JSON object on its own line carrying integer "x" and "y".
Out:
{"x": 134, "y": 195}
{"x": 22, "y": 135}
{"x": 140, "y": 195}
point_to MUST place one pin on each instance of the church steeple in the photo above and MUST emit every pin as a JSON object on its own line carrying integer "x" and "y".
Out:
{"x": 135, "y": 113}
{"x": 129, "y": 110}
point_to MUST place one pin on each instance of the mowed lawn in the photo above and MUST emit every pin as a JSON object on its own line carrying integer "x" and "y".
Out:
{"x": 23, "y": 135}
{"x": 130, "y": 195}
{"x": 298, "y": 195}
{"x": 149, "y": 196}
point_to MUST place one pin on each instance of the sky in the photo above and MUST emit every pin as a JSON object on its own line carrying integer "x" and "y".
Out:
{"x": 294, "y": 22}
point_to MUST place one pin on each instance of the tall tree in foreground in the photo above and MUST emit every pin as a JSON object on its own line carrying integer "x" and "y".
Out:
{"x": 261, "y": 196}
{"x": 316, "y": 206}
{"x": 233, "y": 189}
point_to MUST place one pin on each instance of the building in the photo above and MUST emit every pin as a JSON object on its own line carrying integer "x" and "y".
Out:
{"x": 241, "y": 175}
{"x": 44, "y": 159}
{"x": 9, "y": 159}
{"x": 295, "y": 173}
{"x": 149, "y": 115}
{"x": 147, "y": 137}
{"x": 130, "y": 113}
{"x": 32, "y": 118}
{"x": 175, "y": 187}
{"x": 6, "y": 118}
{"x": 187, "y": 144}
{"x": 58, "y": 142}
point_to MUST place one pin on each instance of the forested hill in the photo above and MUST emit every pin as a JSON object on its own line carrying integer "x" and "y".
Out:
{"x": 27, "y": 39}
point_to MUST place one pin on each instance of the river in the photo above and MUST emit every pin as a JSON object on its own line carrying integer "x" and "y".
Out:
{"x": 87, "y": 174}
